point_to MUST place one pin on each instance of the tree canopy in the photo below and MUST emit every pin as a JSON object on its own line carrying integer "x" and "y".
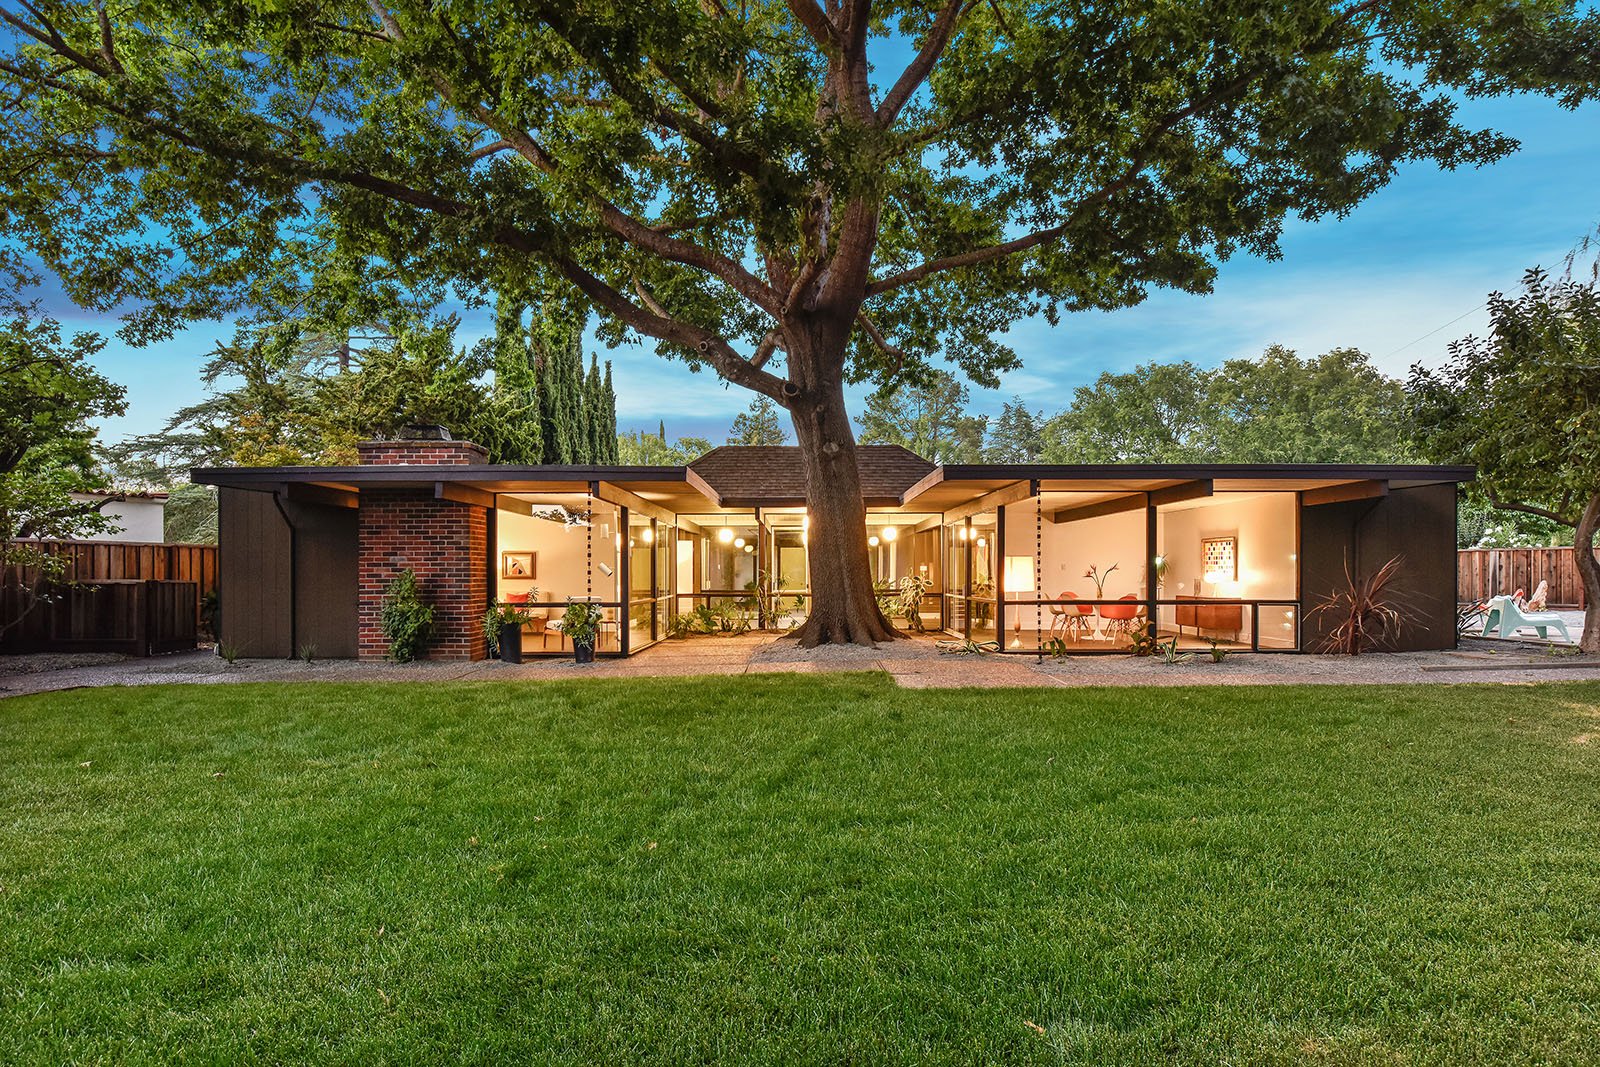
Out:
{"x": 1523, "y": 405}
{"x": 1336, "y": 407}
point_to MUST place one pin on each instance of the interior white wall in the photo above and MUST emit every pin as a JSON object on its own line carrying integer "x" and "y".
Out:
{"x": 1071, "y": 548}
{"x": 1262, "y": 523}
{"x": 561, "y": 550}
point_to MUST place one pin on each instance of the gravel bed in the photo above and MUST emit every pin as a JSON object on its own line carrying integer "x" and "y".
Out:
{"x": 41, "y": 662}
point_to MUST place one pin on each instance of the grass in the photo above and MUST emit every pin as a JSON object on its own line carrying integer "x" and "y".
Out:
{"x": 775, "y": 870}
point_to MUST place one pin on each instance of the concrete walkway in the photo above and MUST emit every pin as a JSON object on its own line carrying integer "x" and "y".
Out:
{"x": 913, "y": 664}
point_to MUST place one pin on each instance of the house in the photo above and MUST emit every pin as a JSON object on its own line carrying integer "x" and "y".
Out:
{"x": 1234, "y": 553}
{"x": 139, "y": 515}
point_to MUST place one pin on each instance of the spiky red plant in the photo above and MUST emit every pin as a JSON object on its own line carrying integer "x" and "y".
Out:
{"x": 1369, "y": 611}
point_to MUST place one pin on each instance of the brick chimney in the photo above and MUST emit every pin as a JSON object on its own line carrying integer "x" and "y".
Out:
{"x": 430, "y": 446}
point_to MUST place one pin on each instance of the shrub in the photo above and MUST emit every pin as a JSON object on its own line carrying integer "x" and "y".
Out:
{"x": 406, "y": 620}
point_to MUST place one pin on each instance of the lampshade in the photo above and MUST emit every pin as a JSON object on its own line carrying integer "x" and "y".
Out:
{"x": 725, "y": 535}
{"x": 890, "y": 533}
{"x": 1019, "y": 574}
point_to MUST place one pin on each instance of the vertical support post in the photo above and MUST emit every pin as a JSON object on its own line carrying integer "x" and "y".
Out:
{"x": 1000, "y": 612}
{"x": 490, "y": 543}
{"x": 966, "y": 590}
{"x": 761, "y": 560}
{"x": 624, "y": 571}
{"x": 1151, "y": 586}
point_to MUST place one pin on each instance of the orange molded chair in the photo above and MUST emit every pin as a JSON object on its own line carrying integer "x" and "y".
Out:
{"x": 1122, "y": 616}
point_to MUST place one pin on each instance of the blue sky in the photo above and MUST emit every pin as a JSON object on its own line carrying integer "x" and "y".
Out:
{"x": 1423, "y": 252}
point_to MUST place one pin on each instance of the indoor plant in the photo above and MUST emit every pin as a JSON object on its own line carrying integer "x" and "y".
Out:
{"x": 581, "y": 624}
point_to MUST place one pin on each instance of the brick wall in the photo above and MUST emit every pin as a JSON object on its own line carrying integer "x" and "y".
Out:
{"x": 429, "y": 453}
{"x": 446, "y": 544}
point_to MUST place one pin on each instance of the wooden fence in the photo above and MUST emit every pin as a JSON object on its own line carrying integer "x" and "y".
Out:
{"x": 122, "y": 597}
{"x": 1485, "y": 572}
{"x": 135, "y": 618}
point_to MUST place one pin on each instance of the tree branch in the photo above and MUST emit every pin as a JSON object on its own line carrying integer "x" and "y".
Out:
{"x": 816, "y": 22}
{"x": 1529, "y": 509}
{"x": 943, "y": 28}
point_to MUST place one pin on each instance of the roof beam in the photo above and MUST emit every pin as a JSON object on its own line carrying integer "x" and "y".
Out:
{"x": 310, "y": 493}
{"x": 922, "y": 485}
{"x": 1174, "y": 494}
{"x": 614, "y": 494}
{"x": 1339, "y": 494}
{"x": 463, "y": 494}
{"x": 1006, "y": 494}
{"x": 1114, "y": 506}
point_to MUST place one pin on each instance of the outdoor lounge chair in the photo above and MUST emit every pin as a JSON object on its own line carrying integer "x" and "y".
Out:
{"x": 1503, "y": 614}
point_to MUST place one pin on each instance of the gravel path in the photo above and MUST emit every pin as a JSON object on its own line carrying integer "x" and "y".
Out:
{"x": 913, "y": 664}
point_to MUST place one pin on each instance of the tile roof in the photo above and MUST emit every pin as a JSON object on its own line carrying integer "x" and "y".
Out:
{"x": 745, "y": 475}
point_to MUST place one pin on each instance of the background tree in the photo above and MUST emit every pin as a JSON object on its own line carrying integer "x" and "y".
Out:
{"x": 740, "y": 183}
{"x": 639, "y": 448}
{"x": 1016, "y": 436}
{"x": 759, "y": 424}
{"x": 1523, "y": 405}
{"x": 1334, "y": 408}
{"x": 928, "y": 417}
{"x": 49, "y": 392}
{"x": 1155, "y": 413}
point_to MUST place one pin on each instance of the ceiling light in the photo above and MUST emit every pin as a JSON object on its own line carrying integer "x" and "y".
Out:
{"x": 873, "y": 541}
{"x": 738, "y": 542}
{"x": 890, "y": 533}
{"x": 725, "y": 534}
{"x": 749, "y": 548}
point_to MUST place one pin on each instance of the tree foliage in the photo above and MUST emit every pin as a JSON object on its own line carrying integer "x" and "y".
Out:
{"x": 758, "y": 425}
{"x": 1523, "y": 406}
{"x": 640, "y": 448}
{"x": 49, "y": 393}
{"x": 1332, "y": 408}
{"x": 928, "y": 417}
{"x": 1016, "y": 435}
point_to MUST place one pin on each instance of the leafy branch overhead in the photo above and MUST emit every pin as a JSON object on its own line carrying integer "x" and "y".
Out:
{"x": 737, "y": 182}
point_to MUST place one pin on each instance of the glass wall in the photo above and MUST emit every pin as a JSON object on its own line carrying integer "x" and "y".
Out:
{"x": 1230, "y": 570}
{"x": 550, "y": 548}
{"x": 1077, "y": 568}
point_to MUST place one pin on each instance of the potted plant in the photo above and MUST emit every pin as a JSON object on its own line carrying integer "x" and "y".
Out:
{"x": 502, "y": 629}
{"x": 581, "y": 624}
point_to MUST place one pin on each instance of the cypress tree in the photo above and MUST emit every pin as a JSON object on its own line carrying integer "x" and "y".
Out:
{"x": 609, "y": 399}
{"x": 558, "y": 367}
{"x": 509, "y": 426}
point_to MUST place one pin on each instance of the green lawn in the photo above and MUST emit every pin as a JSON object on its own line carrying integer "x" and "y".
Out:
{"x": 794, "y": 869}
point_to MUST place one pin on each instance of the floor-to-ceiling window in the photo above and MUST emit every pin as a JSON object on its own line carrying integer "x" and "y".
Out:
{"x": 550, "y": 548}
{"x": 1229, "y": 570}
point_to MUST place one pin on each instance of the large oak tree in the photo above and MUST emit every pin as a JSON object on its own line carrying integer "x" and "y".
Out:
{"x": 795, "y": 195}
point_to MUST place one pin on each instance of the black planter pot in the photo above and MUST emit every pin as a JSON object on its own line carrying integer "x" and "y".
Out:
{"x": 511, "y": 642}
{"x": 583, "y": 653}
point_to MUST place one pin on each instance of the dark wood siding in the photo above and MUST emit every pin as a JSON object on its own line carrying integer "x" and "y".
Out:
{"x": 325, "y": 565}
{"x": 254, "y": 574}
{"x": 1417, "y": 524}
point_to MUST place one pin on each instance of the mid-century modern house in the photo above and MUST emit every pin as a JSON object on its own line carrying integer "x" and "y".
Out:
{"x": 1222, "y": 552}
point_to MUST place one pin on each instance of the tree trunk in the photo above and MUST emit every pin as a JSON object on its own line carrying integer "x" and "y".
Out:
{"x": 844, "y": 609}
{"x": 1589, "y": 573}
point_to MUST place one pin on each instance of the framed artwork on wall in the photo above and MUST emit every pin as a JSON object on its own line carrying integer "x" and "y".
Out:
{"x": 1220, "y": 558}
{"x": 518, "y": 564}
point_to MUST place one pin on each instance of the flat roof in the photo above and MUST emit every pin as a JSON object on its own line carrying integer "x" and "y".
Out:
{"x": 766, "y": 477}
